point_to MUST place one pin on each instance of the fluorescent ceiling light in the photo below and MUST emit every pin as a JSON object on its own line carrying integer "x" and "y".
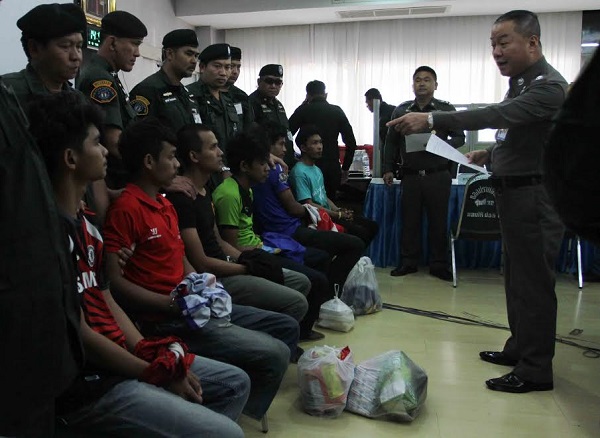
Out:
{"x": 589, "y": 45}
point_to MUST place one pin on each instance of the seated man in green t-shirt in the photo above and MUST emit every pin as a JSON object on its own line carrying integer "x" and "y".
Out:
{"x": 247, "y": 156}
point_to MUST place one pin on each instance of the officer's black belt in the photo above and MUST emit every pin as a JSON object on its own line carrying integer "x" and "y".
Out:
{"x": 423, "y": 172}
{"x": 515, "y": 181}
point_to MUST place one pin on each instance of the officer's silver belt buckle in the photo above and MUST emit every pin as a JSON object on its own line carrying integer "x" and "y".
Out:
{"x": 422, "y": 172}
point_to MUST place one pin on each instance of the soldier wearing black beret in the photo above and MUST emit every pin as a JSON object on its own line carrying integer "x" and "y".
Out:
{"x": 162, "y": 94}
{"x": 217, "y": 110}
{"x": 180, "y": 38}
{"x": 42, "y": 29}
{"x": 121, "y": 36}
{"x": 238, "y": 96}
{"x": 266, "y": 106}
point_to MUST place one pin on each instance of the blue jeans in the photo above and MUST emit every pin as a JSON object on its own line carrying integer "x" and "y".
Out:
{"x": 133, "y": 408}
{"x": 249, "y": 290}
{"x": 257, "y": 341}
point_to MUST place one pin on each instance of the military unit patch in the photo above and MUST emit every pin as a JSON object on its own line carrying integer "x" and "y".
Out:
{"x": 103, "y": 92}
{"x": 140, "y": 105}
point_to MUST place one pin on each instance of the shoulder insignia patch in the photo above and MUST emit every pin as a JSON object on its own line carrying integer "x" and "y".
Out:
{"x": 140, "y": 105}
{"x": 103, "y": 92}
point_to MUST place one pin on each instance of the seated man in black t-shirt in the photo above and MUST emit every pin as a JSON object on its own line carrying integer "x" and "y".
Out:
{"x": 199, "y": 155}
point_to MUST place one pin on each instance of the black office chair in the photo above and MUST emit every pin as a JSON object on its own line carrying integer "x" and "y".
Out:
{"x": 478, "y": 218}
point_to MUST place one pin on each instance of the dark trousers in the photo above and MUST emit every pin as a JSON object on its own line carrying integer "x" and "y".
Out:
{"x": 257, "y": 341}
{"x": 430, "y": 193}
{"x": 315, "y": 267}
{"x": 344, "y": 249}
{"x": 531, "y": 234}
{"x": 37, "y": 422}
{"x": 361, "y": 227}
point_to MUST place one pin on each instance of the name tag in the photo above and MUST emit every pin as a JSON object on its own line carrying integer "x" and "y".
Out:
{"x": 196, "y": 115}
{"x": 170, "y": 99}
{"x": 238, "y": 108}
{"x": 501, "y": 134}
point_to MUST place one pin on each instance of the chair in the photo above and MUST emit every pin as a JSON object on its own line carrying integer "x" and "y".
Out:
{"x": 478, "y": 218}
{"x": 572, "y": 239}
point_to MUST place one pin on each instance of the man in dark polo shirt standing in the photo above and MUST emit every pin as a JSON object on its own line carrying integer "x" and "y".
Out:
{"x": 426, "y": 181}
{"x": 331, "y": 122}
{"x": 531, "y": 230}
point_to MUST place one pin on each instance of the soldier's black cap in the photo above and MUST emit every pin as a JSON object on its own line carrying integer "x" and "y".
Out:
{"x": 236, "y": 53}
{"x": 180, "y": 38}
{"x": 52, "y": 21}
{"x": 123, "y": 25}
{"x": 271, "y": 70}
{"x": 215, "y": 51}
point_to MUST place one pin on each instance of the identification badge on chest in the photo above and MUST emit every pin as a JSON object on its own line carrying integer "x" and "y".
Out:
{"x": 501, "y": 135}
{"x": 290, "y": 136}
{"x": 238, "y": 108}
{"x": 196, "y": 116}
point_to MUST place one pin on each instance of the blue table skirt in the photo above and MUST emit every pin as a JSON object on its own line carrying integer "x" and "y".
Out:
{"x": 383, "y": 203}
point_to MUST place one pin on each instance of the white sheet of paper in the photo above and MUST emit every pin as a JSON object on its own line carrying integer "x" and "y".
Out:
{"x": 416, "y": 142}
{"x": 437, "y": 146}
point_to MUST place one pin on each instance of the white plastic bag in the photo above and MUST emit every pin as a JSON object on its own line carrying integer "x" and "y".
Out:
{"x": 361, "y": 289}
{"x": 324, "y": 377}
{"x": 390, "y": 385}
{"x": 336, "y": 315}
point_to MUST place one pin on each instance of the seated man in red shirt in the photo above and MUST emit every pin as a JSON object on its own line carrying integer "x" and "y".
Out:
{"x": 130, "y": 386}
{"x": 143, "y": 218}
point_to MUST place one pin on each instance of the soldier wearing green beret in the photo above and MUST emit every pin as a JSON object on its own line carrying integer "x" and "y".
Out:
{"x": 266, "y": 106}
{"x": 162, "y": 94}
{"x": 121, "y": 36}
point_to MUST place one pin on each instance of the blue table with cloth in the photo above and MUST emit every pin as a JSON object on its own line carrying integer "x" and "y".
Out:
{"x": 383, "y": 204}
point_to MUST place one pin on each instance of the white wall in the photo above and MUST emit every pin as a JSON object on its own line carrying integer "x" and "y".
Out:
{"x": 160, "y": 19}
{"x": 157, "y": 15}
{"x": 13, "y": 57}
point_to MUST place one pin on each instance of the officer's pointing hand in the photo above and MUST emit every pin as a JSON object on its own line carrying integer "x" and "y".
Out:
{"x": 410, "y": 123}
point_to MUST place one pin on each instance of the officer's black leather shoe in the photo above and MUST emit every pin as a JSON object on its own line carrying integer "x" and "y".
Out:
{"x": 442, "y": 274}
{"x": 513, "y": 383}
{"x": 404, "y": 270}
{"x": 497, "y": 357}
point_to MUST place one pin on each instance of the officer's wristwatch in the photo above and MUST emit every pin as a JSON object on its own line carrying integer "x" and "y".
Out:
{"x": 225, "y": 169}
{"x": 430, "y": 120}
